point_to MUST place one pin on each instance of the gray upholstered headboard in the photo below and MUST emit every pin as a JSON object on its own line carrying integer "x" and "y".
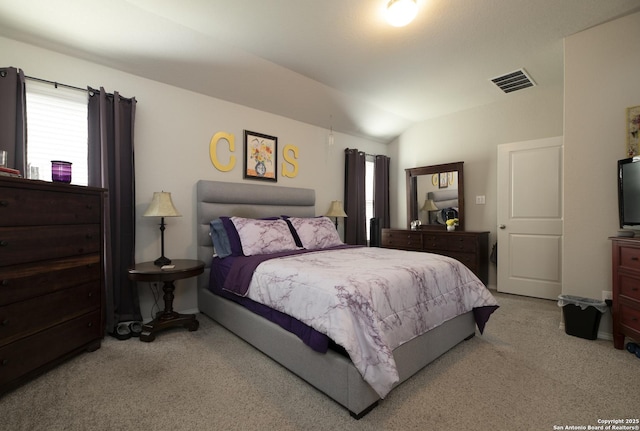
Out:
{"x": 444, "y": 198}
{"x": 217, "y": 198}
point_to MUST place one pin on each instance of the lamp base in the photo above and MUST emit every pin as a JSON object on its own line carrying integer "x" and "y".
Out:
{"x": 161, "y": 261}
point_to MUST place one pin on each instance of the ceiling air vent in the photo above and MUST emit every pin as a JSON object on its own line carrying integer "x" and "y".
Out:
{"x": 513, "y": 81}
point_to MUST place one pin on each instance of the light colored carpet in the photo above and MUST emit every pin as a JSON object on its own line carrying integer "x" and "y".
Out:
{"x": 524, "y": 373}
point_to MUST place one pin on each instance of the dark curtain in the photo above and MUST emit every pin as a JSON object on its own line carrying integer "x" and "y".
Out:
{"x": 111, "y": 157}
{"x": 355, "y": 225}
{"x": 381, "y": 191}
{"x": 13, "y": 118}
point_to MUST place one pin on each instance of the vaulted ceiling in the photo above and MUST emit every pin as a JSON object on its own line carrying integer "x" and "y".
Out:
{"x": 330, "y": 63}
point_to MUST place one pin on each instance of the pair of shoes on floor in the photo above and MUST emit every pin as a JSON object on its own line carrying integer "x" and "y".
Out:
{"x": 633, "y": 348}
{"x": 126, "y": 330}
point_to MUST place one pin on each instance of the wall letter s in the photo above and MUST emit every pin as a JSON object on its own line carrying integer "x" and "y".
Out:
{"x": 291, "y": 160}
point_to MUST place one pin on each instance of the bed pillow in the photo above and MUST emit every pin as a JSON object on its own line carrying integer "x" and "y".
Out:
{"x": 263, "y": 236}
{"x": 316, "y": 233}
{"x": 292, "y": 229}
{"x": 220, "y": 239}
{"x": 232, "y": 235}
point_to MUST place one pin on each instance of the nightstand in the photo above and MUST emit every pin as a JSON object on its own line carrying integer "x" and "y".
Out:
{"x": 148, "y": 271}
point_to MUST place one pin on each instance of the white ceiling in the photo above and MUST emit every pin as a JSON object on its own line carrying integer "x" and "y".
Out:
{"x": 331, "y": 63}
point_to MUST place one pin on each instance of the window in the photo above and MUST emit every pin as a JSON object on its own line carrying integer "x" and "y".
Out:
{"x": 368, "y": 191}
{"x": 56, "y": 130}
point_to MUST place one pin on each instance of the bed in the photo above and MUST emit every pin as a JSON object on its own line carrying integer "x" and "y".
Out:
{"x": 331, "y": 370}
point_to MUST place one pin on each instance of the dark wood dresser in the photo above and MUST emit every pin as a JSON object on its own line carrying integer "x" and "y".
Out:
{"x": 470, "y": 248}
{"x": 626, "y": 289}
{"x": 51, "y": 276}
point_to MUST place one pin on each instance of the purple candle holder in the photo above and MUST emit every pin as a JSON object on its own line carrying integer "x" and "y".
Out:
{"x": 60, "y": 171}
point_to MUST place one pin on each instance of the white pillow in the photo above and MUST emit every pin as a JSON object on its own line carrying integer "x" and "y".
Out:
{"x": 316, "y": 233}
{"x": 263, "y": 236}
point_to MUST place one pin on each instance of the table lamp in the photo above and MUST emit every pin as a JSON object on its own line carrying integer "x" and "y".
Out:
{"x": 336, "y": 210}
{"x": 162, "y": 206}
{"x": 429, "y": 205}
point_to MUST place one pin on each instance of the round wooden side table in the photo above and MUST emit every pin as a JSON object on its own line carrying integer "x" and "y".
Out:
{"x": 148, "y": 271}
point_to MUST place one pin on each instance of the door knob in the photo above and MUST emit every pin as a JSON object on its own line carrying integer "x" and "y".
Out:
{"x": 502, "y": 226}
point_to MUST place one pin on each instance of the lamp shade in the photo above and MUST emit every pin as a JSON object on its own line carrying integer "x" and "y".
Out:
{"x": 336, "y": 210}
{"x": 161, "y": 206}
{"x": 429, "y": 205}
{"x": 401, "y": 12}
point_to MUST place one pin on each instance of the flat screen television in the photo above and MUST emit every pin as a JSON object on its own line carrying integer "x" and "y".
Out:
{"x": 629, "y": 193}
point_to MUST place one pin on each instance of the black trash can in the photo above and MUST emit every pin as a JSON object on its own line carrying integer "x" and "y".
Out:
{"x": 581, "y": 315}
{"x": 374, "y": 232}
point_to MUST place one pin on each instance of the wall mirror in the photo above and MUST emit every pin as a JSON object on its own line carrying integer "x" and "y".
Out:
{"x": 435, "y": 193}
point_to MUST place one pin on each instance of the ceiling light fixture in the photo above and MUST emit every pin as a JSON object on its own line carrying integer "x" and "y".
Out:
{"x": 401, "y": 12}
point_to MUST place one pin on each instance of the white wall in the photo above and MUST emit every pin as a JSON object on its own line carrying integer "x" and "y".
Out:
{"x": 172, "y": 133}
{"x": 472, "y": 136}
{"x": 601, "y": 74}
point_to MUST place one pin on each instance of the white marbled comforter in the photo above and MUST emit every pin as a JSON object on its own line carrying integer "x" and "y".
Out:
{"x": 369, "y": 300}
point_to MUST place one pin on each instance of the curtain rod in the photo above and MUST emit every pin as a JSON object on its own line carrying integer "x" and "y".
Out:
{"x": 91, "y": 91}
{"x": 56, "y": 84}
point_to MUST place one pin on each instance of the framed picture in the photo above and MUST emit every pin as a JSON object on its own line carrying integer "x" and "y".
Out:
{"x": 260, "y": 156}
{"x": 633, "y": 126}
{"x": 444, "y": 180}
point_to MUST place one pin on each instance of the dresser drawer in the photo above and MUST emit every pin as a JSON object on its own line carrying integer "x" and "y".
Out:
{"x": 629, "y": 287}
{"x": 434, "y": 242}
{"x": 630, "y": 317}
{"x": 451, "y": 241}
{"x": 30, "y": 207}
{"x": 468, "y": 259}
{"x": 24, "y": 318}
{"x": 30, "y": 353}
{"x": 20, "y": 282}
{"x": 630, "y": 258}
{"x": 407, "y": 240}
{"x": 31, "y": 244}
{"x": 461, "y": 243}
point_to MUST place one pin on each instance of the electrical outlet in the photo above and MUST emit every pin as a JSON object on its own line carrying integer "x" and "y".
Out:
{"x": 607, "y": 294}
{"x": 480, "y": 200}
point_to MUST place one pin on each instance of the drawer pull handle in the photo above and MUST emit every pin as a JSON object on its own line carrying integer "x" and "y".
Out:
{"x": 90, "y": 324}
{"x": 634, "y": 258}
{"x": 4, "y": 203}
{"x": 4, "y": 243}
{"x": 4, "y": 362}
{"x": 4, "y": 283}
{"x": 5, "y": 322}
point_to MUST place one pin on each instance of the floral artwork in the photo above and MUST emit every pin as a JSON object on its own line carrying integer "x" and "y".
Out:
{"x": 260, "y": 156}
{"x": 633, "y": 128}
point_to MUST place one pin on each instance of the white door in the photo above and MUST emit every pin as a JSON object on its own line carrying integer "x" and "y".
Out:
{"x": 530, "y": 218}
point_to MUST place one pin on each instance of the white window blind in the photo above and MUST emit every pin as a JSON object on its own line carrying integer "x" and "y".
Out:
{"x": 56, "y": 130}
{"x": 369, "y": 179}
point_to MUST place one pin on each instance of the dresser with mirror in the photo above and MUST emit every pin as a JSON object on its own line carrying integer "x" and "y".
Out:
{"x": 435, "y": 194}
